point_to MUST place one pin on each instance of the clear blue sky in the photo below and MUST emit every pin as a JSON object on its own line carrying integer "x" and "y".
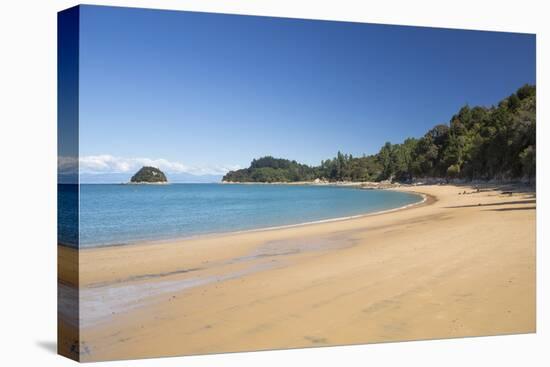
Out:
{"x": 211, "y": 89}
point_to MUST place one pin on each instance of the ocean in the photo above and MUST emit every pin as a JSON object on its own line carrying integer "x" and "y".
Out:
{"x": 123, "y": 214}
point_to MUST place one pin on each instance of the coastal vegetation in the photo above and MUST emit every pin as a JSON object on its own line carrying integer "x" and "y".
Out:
{"x": 478, "y": 143}
{"x": 149, "y": 175}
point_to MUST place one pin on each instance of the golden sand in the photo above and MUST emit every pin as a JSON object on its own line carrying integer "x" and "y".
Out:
{"x": 459, "y": 265}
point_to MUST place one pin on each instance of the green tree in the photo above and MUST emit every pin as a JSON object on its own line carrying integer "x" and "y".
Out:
{"x": 478, "y": 143}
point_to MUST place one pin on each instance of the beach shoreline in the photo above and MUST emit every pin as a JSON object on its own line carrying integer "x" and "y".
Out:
{"x": 461, "y": 266}
{"x": 426, "y": 200}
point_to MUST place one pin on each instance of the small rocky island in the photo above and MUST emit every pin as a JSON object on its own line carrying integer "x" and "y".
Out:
{"x": 149, "y": 175}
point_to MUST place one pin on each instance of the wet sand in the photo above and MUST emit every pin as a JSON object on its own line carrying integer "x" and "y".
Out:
{"x": 458, "y": 265}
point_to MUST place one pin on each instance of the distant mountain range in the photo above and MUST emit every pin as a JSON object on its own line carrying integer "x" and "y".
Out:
{"x": 98, "y": 178}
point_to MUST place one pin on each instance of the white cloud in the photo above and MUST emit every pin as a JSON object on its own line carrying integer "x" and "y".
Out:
{"x": 106, "y": 163}
{"x": 67, "y": 164}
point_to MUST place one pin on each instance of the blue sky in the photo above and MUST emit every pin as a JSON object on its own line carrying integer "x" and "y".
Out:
{"x": 203, "y": 93}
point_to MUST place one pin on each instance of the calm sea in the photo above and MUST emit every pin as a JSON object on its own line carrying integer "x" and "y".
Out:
{"x": 117, "y": 214}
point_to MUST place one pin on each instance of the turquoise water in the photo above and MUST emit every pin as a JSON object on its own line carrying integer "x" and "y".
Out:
{"x": 118, "y": 214}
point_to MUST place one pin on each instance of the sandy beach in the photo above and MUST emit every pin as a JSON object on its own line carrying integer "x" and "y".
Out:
{"x": 460, "y": 264}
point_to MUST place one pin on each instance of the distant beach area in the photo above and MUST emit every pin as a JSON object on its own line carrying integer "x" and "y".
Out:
{"x": 461, "y": 264}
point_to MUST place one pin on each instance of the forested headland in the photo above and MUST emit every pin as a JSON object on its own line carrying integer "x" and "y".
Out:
{"x": 478, "y": 143}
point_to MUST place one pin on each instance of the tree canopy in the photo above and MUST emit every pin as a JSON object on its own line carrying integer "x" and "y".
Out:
{"x": 149, "y": 175}
{"x": 478, "y": 143}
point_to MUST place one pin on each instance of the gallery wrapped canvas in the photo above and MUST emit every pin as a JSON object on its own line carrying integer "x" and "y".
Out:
{"x": 239, "y": 183}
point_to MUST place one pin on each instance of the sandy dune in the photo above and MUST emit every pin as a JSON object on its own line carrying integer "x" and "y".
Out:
{"x": 458, "y": 265}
